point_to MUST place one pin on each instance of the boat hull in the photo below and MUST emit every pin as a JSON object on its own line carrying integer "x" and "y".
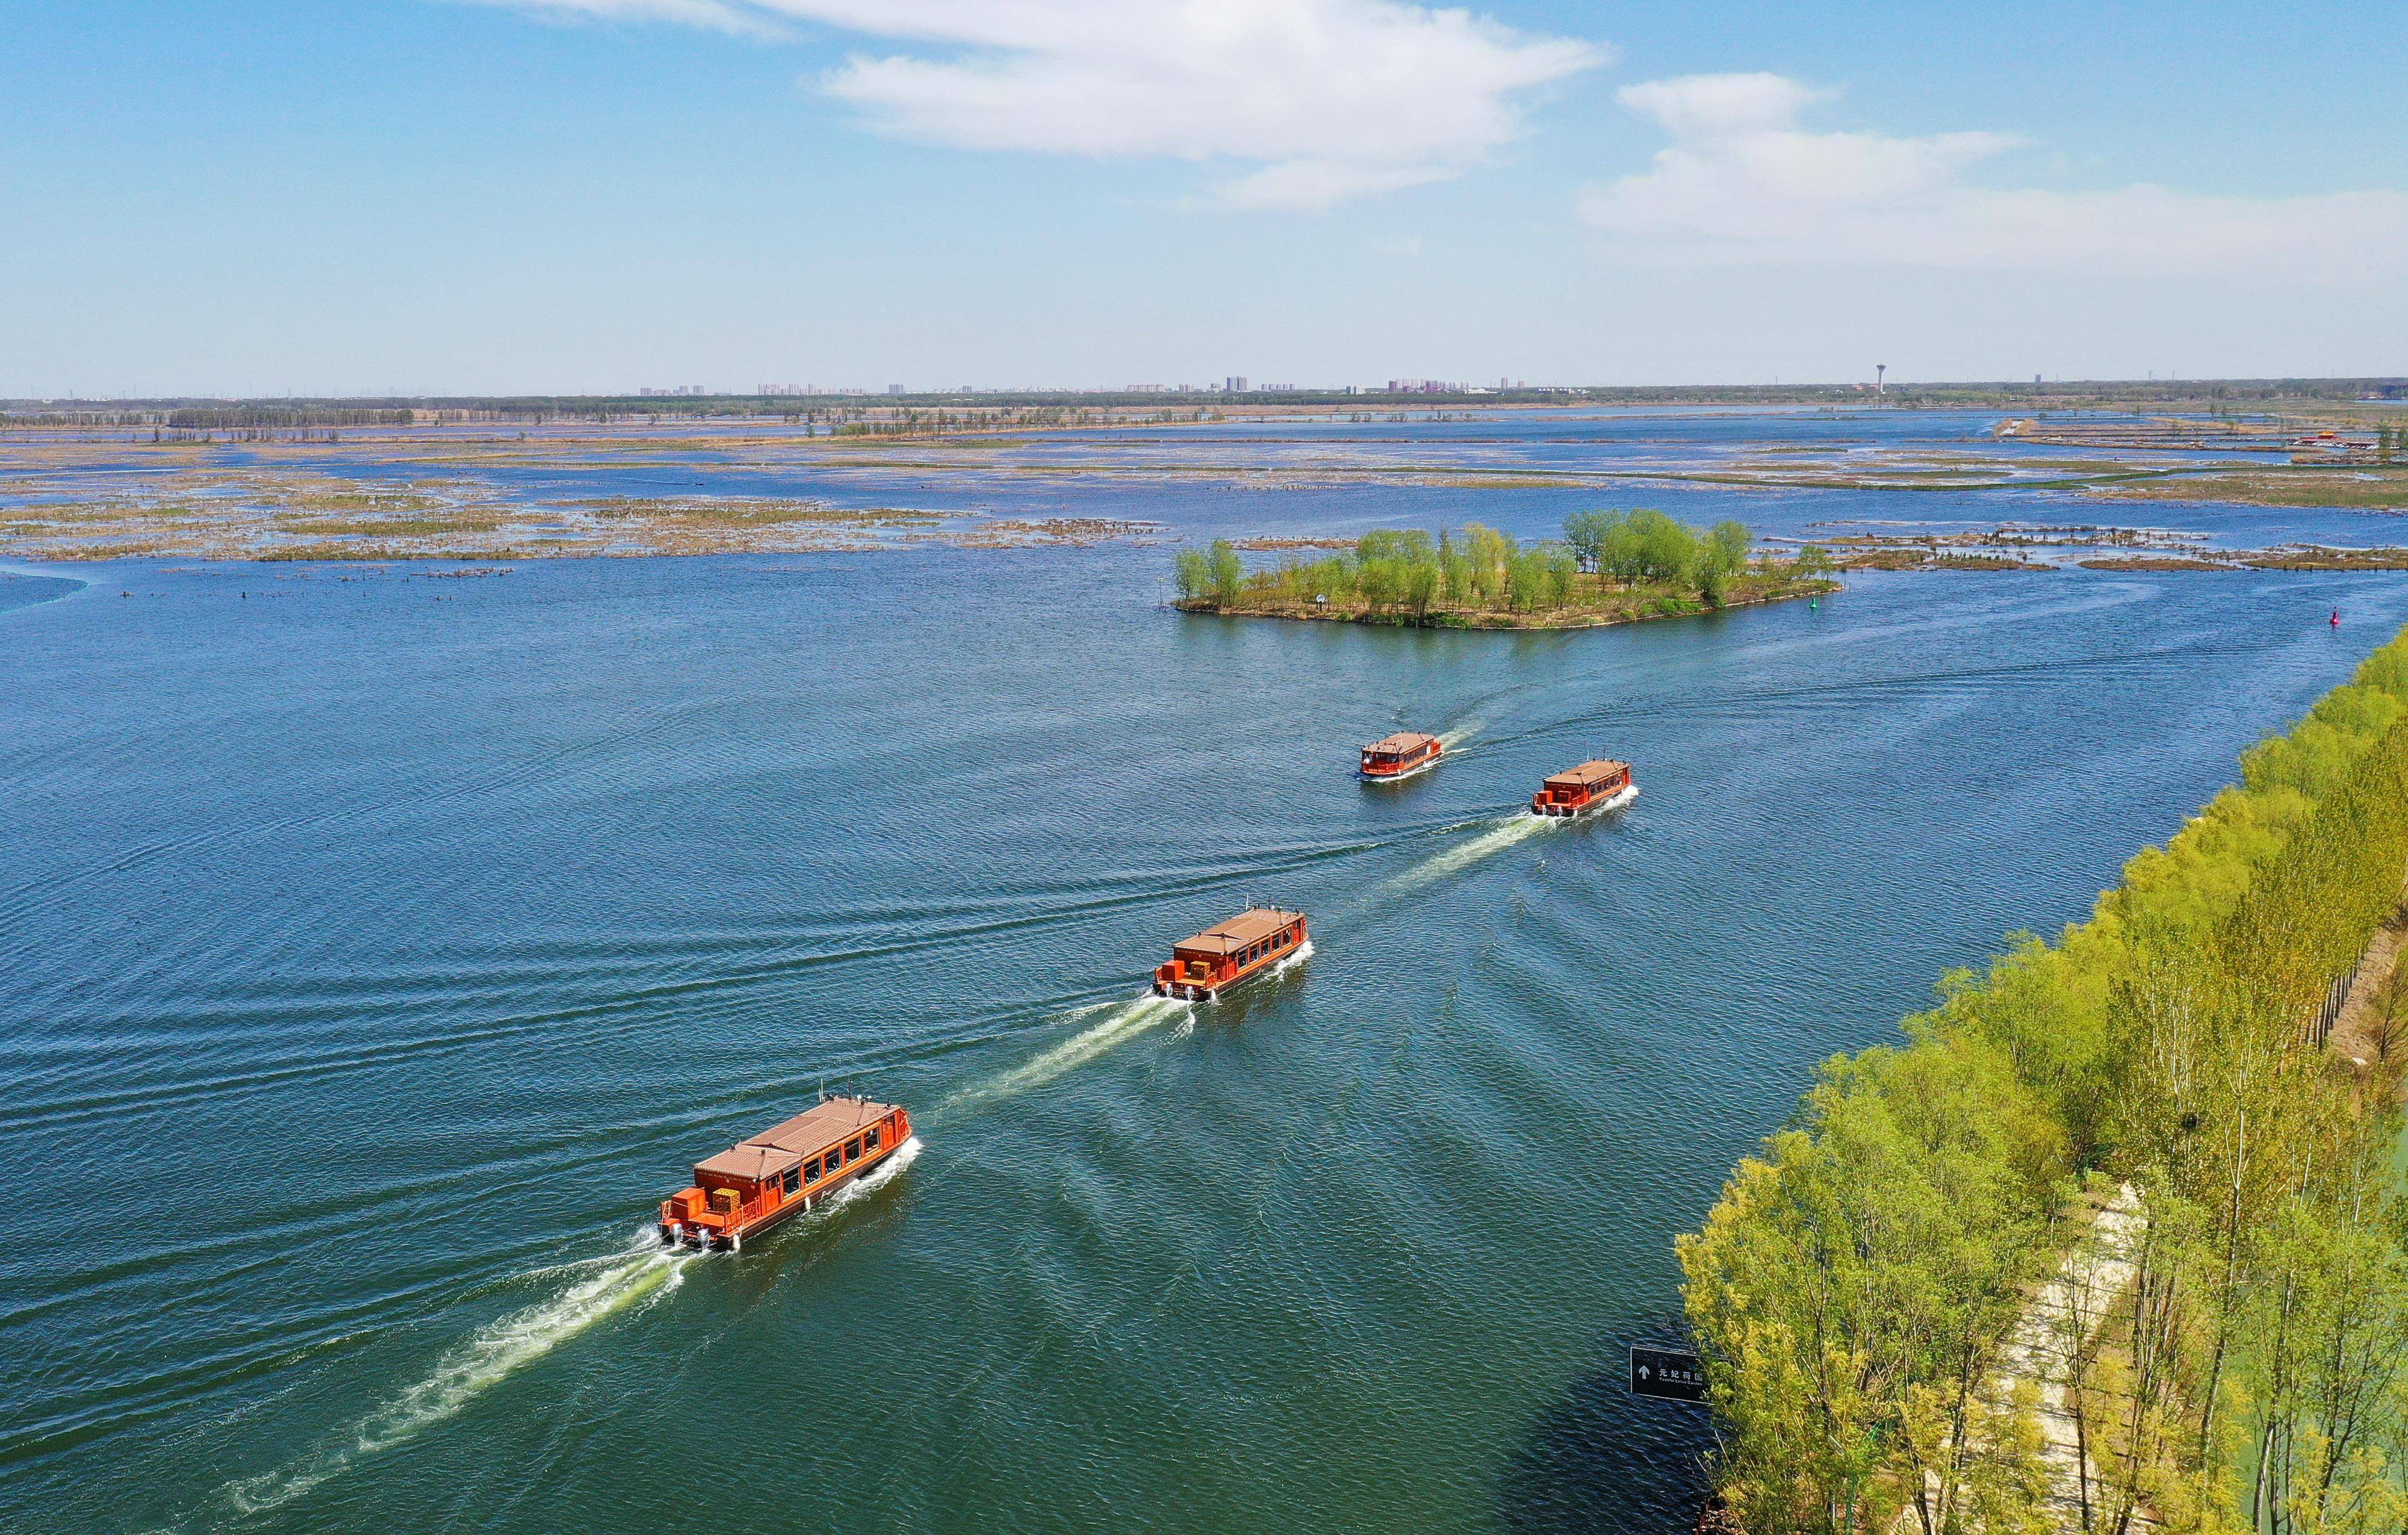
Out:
{"x": 1397, "y": 775}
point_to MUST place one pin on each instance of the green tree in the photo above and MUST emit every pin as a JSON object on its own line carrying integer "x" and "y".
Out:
{"x": 1525, "y": 578}
{"x": 1487, "y": 551}
{"x": 1563, "y": 566}
{"x": 1455, "y": 569}
{"x": 1732, "y": 540}
{"x": 1646, "y": 546}
{"x": 1195, "y": 574}
{"x": 1585, "y": 532}
{"x": 1227, "y": 573}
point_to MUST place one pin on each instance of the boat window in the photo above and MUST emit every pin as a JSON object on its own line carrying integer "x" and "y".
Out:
{"x": 869, "y": 1141}
{"x": 853, "y": 1150}
{"x": 794, "y": 1180}
{"x": 812, "y": 1168}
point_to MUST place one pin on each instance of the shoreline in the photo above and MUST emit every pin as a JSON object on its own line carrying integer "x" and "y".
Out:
{"x": 1953, "y": 1150}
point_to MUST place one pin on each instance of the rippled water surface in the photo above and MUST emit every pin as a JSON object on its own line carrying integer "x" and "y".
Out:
{"x": 376, "y": 952}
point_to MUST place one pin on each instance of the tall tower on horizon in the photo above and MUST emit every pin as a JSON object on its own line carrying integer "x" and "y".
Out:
{"x": 1879, "y": 368}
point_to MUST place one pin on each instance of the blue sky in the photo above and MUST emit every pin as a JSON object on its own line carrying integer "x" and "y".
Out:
{"x": 575, "y": 196}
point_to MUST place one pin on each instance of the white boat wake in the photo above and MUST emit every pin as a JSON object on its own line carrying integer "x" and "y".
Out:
{"x": 876, "y": 1178}
{"x": 1518, "y": 827}
{"x": 1114, "y": 1028}
{"x": 627, "y": 1282}
{"x": 632, "y": 1279}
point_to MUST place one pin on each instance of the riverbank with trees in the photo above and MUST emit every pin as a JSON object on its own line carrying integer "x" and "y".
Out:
{"x": 1856, "y": 1289}
{"x": 1610, "y": 567}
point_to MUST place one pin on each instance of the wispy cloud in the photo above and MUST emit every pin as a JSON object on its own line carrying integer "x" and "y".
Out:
{"x": 1742, "y": 182}
{"x": 729, "y": 16}
{"x": 1308, "y": 102}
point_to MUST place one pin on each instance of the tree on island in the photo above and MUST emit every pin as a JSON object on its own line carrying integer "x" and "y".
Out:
{"x": 1644, "y": 547}
{"x": 1216, "y": 572}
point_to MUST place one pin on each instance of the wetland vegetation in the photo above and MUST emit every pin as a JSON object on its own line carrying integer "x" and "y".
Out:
{"x": 291, "y": 512}
{"x": 442, "y": 479}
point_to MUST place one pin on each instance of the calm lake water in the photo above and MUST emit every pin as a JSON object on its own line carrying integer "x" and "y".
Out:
{"x": 375, "y": 953}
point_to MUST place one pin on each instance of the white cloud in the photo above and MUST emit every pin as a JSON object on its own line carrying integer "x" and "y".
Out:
{"x": 718, "y": 16}
{"x": 1743, "y": 183}
{"x": 1324, "y": 99}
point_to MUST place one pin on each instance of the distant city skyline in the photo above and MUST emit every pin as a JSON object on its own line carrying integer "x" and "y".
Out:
{"x": 2376, "y": 387}
{"x": 578, "y": 195}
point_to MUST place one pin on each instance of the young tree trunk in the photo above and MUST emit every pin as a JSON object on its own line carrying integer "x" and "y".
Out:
{"x": 2224, "y": 1293}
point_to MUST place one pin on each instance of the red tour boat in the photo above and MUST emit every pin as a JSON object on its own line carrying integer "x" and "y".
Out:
{"x": 1400, "y": 756}
{"x": 1203, "y": 966}
{"x": 1600, "y": 785}
{"x": 783, "y": 1171}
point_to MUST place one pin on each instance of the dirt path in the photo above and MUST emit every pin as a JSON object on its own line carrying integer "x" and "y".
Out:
{"x": 2062, "y": 1317}
{"x": 2059, "y": 1318}
{"x": 2363, "y": 1035}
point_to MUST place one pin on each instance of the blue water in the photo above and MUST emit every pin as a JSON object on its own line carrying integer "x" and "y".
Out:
{"x": 375, "y": 953}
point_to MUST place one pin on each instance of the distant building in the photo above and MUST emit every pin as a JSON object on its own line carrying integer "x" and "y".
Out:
{"x": 2334, "y": 448}
{"x": 894, "y": 389}
{"x": 680, "y": 391}
{"x": 1235, "y": 383}
{"x": 1147, "y": 389}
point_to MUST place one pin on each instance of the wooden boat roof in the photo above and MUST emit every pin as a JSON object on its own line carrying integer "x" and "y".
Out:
{"x": 1402, "y": 743}
{"x": 1239, "y": 931}
{"x": 1588, "y": 774}
{"x": 783, "y": 1145}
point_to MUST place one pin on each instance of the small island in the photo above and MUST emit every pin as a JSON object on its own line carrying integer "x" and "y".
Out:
{"x": 1609, "y": 567}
